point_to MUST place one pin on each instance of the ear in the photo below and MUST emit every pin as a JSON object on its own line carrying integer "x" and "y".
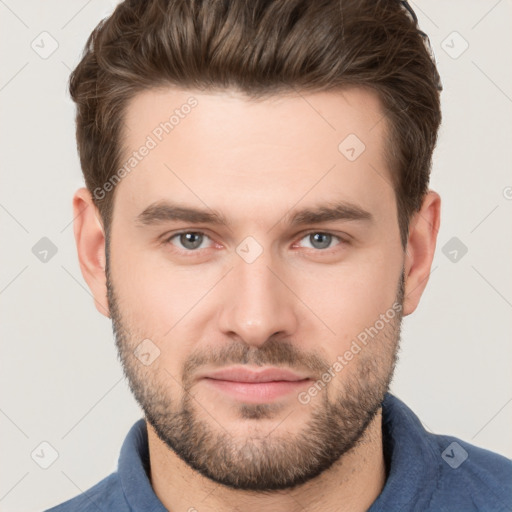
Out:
{"x": 421, "y": 244}
{"x": 90, "y": 244}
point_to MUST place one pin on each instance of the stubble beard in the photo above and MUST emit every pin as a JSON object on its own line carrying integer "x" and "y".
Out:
{"x": 277, "y": 460}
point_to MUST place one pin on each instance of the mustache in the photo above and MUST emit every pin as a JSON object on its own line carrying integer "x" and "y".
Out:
{"x": 272, "y": 353}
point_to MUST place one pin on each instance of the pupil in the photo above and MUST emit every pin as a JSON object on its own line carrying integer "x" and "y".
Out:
{"x": 187, "y": 240}
{"x": 326, "y": 240}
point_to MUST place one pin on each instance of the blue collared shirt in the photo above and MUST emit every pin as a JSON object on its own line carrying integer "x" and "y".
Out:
{"x": 426, "y": 472}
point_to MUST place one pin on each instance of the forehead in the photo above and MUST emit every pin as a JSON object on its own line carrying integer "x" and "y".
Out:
{"x": 224, "y": 148}
{"x": 292, "y": 116}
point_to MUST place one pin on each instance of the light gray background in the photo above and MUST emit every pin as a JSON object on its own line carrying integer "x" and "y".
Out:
{"x": 60, "y": 379}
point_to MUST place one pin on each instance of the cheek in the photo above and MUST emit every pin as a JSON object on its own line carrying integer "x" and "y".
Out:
{"x": 161, "y": 301}
{"x": 351, "y": 296}
{"x": 140, "y": 291}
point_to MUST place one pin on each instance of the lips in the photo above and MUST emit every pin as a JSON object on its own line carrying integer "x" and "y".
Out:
{"x": 246, "y": 375}
{"x": 254, "y": 385}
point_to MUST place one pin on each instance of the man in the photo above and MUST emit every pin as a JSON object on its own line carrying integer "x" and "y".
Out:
{"x": 256, "y": 222}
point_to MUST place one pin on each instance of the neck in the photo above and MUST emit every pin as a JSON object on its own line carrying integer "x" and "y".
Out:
{"x": 352, "y": 483}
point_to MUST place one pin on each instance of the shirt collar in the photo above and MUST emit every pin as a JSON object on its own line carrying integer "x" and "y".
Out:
{"x": 413, "y": 462}
{"x": 134, "y": 471}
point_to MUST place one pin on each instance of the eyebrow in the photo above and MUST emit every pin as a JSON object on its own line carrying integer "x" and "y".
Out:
{"x": 165, "y": 211}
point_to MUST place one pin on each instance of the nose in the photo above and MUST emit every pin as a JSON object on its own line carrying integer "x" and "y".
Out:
{"x": 257, "y": 302}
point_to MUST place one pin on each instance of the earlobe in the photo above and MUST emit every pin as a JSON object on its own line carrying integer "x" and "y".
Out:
{"x": 90, "y": 243}
{"x": 423, "y": 229}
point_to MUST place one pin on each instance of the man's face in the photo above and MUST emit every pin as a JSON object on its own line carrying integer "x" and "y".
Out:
{"x": 317, "y": 297}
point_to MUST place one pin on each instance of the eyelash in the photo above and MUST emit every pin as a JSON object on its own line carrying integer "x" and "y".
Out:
{"x": 195, "y": 252}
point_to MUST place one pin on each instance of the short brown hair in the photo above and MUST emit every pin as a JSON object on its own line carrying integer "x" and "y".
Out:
{"x": 261, "y": 48}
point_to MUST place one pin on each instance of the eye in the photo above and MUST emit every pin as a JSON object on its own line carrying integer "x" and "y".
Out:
{"x": 190, "y": 240}
{"x": 320, "y": 240}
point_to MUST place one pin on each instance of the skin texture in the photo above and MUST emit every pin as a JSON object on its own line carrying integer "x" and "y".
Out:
{"x": 298, "y": 304}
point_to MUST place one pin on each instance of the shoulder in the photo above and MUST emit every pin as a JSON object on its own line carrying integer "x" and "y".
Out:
{"x": 105, "y": 495}
{"x": 472, "y": 477}
{"x": 439, "y": 473}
